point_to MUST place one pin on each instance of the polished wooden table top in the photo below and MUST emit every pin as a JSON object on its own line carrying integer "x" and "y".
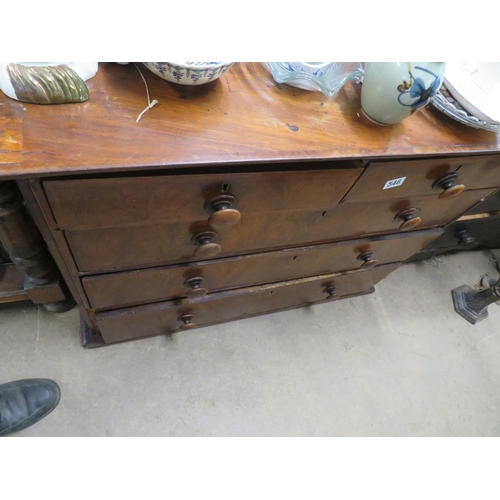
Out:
{"x": 243, "y": 117}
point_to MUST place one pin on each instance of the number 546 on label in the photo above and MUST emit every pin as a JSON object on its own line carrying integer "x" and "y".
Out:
{"x": 394, "y": 183}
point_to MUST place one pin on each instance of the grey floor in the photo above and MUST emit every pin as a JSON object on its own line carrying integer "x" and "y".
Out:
{"x": 399, "y": 362}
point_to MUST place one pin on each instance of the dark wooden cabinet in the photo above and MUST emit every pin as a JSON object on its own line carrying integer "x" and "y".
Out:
{"x": 232, "y": 199}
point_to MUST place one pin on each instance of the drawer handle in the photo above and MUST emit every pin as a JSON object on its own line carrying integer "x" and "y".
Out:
{"x": 206, "y": 246}
{"x": 195, "y": 290}
{"x": 223, "y": 212}
{"x": 368, "y": 260}
{"x": 408, "y": 218}
{"x": 187, "y": 321}
{"x": 331, "y": 291}
{"x": 447, "y": 183}
{"x": 464, "y": 239}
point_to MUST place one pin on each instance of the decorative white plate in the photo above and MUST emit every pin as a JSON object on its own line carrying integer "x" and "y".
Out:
{"x": 446, "y": 103}
{"x": 476, "y": 86}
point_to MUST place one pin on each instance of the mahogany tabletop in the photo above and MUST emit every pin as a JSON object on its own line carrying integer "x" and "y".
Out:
{"x": 242, "y": 118}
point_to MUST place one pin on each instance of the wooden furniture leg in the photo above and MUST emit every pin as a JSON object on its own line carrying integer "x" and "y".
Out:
{"x": 23, "y": 244}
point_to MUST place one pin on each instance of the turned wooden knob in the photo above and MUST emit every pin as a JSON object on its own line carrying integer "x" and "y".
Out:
{"x": 368, "y": 260}
{"x": 464, "y": 239}
{"x": 206, "y": 246}
{"x": 195, "y": 290}
{"x": 223, "y": 212}
{"x": 331, "y": 291}
{"x": 447, "y": 184}
{"x": 187, "y": 321}
{"x": 408, "y": 218}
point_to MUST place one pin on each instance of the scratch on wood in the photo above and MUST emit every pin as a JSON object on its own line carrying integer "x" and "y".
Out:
{"x": 228, "y": 86}
{"x": 11, "y": 139}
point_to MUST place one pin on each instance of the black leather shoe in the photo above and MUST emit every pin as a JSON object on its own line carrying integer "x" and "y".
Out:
{"x": 24, "y": 402}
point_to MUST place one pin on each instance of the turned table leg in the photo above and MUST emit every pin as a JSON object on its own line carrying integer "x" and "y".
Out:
{"x": 22, "y": 242}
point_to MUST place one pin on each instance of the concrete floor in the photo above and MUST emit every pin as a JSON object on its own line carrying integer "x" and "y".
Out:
{"x": 399, "y": 362}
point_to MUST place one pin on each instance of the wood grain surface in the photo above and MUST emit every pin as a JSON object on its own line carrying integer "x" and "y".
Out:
{"x": 132, "y": 201}
{"x": 419, "y": 176}
{"x": 124, "y": 289}
{"x": 11, "y": 139}
{"x": 163, "y": 317}
{"x": 244, "y": 117}
{"x": 112, "y": 248}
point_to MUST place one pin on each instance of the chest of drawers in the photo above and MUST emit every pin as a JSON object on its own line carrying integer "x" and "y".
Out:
{"x": 199, "y": 215}
{"x": 152, "y": 258}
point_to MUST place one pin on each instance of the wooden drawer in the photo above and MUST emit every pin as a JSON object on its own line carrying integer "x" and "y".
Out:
{"x": 118, "y": 202}
{"x": 114, "y": 248}
{"x": 491, "y": 204}
{"x": 474, "y": 172}
{"x": 153, "y": 285}
{"x": 469, "y": 232}
{"x": 163, "y": 317}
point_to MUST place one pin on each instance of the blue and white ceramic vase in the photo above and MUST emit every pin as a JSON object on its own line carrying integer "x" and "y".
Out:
{"x": 393, "y": 91}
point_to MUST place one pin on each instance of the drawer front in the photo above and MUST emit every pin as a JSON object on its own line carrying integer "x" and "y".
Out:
{"x": 164, "y": 317}
{"x": 110, "y": 202}
{"x": 491, "y": 204}
{"x": 417, "y": 178}
{"x": 124, "y": 289}
{"x": 468, "y": 233}
{"x": 114, "y": 248}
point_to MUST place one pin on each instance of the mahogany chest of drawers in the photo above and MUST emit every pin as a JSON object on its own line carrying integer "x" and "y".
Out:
{"x": 213, "y": 208}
